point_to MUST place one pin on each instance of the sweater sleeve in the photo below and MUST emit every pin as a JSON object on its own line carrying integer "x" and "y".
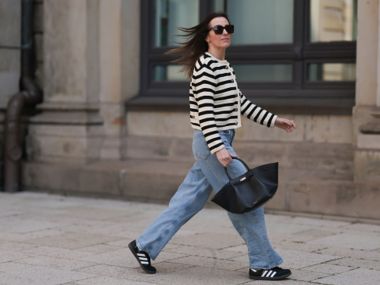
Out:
{"x": 204, "y": 84}
{"x": 256, "y": 113}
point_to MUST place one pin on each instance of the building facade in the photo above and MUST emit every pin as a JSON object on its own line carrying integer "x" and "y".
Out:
{"x": 114, "y": 120}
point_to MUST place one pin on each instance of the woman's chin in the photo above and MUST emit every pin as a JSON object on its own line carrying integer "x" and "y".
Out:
{"x": 225, "y": 44}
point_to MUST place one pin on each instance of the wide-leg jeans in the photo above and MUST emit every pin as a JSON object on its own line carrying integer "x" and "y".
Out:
{"x": 208, "y": 174}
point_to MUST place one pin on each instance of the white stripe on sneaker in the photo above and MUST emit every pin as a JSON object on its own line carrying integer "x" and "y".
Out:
{"x": 141, "y": 254}
{"x": 265, "y": 272}
{"x": 144, "y": 262}
{"x": 273, "y": 274}
{"x": 143, "y": 258}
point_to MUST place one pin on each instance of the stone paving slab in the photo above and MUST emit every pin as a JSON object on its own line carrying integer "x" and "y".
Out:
{"x": 107, "y": 280}
{"x": 354, "y": 253}
{"x": 358, "y": 276}
{"x": 31, "y": 274}
{"x": 306, "y": 275}
{"x": 328, "y": 268}
{"x": 51, "y": 239}
{"x": 355, "y": 240}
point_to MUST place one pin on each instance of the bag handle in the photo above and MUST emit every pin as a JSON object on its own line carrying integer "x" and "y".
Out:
{"x": 237, "y": 158}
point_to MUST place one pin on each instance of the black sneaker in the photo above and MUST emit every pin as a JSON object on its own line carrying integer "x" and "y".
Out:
{"x": 275, "y": 273}
{"x": 142, "y": 257}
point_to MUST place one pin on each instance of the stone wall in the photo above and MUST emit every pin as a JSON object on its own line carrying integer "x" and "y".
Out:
{"x": 84, "y": 142}
{"x": 316, "y": 161}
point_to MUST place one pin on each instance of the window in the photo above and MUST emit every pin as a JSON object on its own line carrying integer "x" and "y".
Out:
{"x": 284, "y": 52}
{"x": 169, "y": 15}
{"x": 259, "y": 22}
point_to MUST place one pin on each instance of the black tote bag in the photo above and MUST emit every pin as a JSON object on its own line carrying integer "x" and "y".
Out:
{"x": 250, "y": 190}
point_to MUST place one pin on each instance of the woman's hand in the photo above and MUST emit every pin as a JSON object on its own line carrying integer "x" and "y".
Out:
{"x": 285, "y": 124}
{"x": 223, "y": 157}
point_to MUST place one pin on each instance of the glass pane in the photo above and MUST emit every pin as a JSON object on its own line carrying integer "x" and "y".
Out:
{"x": 264, "y": 72}
{"x": 259, "y": 21}
{"x": 169, "y": 16}
{"x": 333, "y": 20}
{"x": 331, "y": 72}
{"x": 169, "y": 73}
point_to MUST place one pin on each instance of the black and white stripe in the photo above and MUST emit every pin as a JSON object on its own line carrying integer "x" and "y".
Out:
{"x": 143, "y": 258}
{"x": 268, "y": 273}
{"x": 216, "y": 101}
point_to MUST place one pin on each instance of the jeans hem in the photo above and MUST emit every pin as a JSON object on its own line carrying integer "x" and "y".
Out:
{"x": 274, "y": 264}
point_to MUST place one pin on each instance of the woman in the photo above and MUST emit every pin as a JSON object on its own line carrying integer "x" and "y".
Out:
{"x": 216, "y": 104}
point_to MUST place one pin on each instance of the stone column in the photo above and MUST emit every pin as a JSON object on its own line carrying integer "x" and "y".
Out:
{"x": 366, "y": 113}
{"x": 110, "y": 84}
{"x": 82, "y": 115}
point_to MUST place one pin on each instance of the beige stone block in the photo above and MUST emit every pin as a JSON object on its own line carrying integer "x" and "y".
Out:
{"x": 367, "y": 141}
{"x": 256, "y": 132}
{"x": 367, "y": 50}
{"x": 360, "y": 116}
{"x": 334, "y": 198}
{"x": 110, "y": 147}
{"x": 279, "y": 201}
{"x": 64, "y": 177}
{"x": 58, "y": 148}
{"x": 329, "y": 129}
{"x": 110, "y": 50}
{"x": 367, "y": 167}
{"x": 130, "y": 53}
{"x": 333, "y": 19}
{"x": 65, "y": 57}
{"x": 10, "y": 24}
{"x": 181, "y": 150}
{"x": 165, "y": 124}
{"x": 334, "y": 4}
{"x": 301, "y": 161}
{"x": 147, "y": 147}
{"x": 56, "y": 130}
{"x": 113, "y": 116}
{"x": 173, "y": 149}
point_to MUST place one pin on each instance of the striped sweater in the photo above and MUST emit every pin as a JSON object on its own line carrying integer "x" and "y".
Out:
{"x": 216, "y": 102}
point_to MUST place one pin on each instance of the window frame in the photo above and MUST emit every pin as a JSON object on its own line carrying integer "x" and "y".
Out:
{"x": 328, "y": 97}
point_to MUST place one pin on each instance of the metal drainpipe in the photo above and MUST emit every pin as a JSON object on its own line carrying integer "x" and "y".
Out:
{"x": 30, "y": 94}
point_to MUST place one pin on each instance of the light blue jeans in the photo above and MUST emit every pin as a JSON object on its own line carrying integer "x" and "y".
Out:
{"x": 207, "y": 174}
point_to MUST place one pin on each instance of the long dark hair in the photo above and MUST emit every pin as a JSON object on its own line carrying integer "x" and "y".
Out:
{"x": 195, "y": 45}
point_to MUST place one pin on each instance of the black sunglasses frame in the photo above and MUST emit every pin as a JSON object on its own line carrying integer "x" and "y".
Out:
{"x": 218, "y": 29}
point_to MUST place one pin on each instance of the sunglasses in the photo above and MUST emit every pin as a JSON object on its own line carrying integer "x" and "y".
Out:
{"x": 218, "y": 29}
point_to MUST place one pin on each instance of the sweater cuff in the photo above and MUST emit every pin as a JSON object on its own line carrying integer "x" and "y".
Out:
{"x": 273, "y": 121}
{"x": 215, "y": 150}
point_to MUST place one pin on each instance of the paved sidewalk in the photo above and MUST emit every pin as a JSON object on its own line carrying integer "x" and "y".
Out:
{"x": 50, "y": 239}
